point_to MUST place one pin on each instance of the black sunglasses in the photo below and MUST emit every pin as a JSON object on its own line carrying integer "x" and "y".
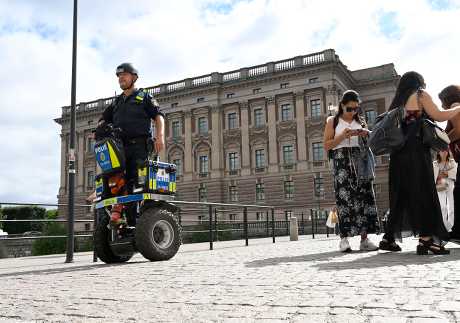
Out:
{"x": 351, "y": 109}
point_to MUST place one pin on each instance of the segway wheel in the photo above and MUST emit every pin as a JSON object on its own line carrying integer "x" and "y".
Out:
{"x": 101, "y": 243}
{"x": 157, "y": 234}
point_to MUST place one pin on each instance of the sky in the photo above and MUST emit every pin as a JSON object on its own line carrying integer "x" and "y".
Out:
{"x": 169, "y": 40}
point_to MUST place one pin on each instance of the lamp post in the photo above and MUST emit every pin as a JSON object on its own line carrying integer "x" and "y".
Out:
{"x": 71, "y": 157}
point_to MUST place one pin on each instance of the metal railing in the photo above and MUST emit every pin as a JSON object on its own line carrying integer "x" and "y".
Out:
{"x": 270, "y": 227}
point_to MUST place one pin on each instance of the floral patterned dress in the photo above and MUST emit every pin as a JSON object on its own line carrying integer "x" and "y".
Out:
{"x": 355, "y": 199}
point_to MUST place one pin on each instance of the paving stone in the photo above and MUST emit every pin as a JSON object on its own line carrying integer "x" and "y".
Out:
{"x": 301, "y": 281}
{"x": 387, "y": 319}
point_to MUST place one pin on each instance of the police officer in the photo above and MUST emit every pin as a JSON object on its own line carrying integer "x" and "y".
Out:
{"x": 133, "y": 111}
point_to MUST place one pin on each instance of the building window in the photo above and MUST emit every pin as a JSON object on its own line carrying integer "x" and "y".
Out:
{"x": 260, "y": 216}
{"x": 260, "y": 192}
{"x": 176, "y": 131}
{"x": 289, "y": 189}
{"x": 232, "y": 217}
{"x": 174, "y": 105}
{"x": 200, "y": 218}
{"x": 318, "y": 185}
{"x": 232, "y": 161}
{"x": 178, "y": 163}
{"x": 202, "y": 193}
{"x": 284, "y": 85}
{"x": 288, "y": 214}
{"x": 90, "y": 145}
{"x": 256, "y": 91}
{"x": 315, "y": 108}
{"x": 286, "y": 112}
{"x": 312, "y": 80}
{"x": 371, "y": 115}
{"x": 230, "y": 95}
{"x": 202, "y": 125}
{"x": 259, "y": 117}
{"x": 288, "y": 154}
{"x": 204, "y": 164}
{"x": 200, "y": 100}
{"x": 318, "y": 151}
{"x": 260, "y": 158}
{"x": 233, "y": 193}
{"x": 87, "y": 226}
{"x": 231, "y": 117}
{"x": 90, "y": 179}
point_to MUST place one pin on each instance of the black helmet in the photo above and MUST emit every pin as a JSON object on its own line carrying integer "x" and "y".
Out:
{"x": 126, "y": 68}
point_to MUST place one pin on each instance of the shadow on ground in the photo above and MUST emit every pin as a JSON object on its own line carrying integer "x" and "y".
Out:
{"x": 327, "y": 260}
{"x": 49, "y": 271}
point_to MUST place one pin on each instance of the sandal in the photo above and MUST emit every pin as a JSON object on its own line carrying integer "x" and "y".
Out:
{"x": 424, "y": 246}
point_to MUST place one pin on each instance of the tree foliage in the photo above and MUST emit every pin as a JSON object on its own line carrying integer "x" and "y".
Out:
{"x": 23, "y": 213}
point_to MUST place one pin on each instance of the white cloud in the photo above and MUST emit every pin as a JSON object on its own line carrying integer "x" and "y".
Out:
{"x": 172, "y": 40}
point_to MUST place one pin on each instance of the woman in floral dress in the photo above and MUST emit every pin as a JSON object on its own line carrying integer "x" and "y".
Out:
{"x": 344, "y": 136}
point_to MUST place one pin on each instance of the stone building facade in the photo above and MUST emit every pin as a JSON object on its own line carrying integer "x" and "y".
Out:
{"x": 252, "y": 136}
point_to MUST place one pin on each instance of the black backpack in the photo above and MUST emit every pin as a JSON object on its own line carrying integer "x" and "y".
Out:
{"x": 387, "y": 135}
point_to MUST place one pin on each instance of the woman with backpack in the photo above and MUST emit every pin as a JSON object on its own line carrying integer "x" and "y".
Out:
{"x": 414, "y": 203}
{"x": 344, "y": 138}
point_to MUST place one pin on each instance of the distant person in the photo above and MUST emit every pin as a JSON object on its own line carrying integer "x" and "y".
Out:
{"x": 414, "y": 203}
{"x": 450, "y": 97}
{"x": 445, "y": 173}
{"x": 344, "y": 136}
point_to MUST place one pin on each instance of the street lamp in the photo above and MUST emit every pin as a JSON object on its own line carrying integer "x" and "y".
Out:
{"x": 71, "y": 157}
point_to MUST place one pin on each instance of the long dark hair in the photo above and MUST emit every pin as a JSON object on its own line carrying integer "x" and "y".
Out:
{"x": 349, "y": 96}
{"x": 449, "y": 95}
{"x": 449, "y": 156}
{"x": 409, "y": 83}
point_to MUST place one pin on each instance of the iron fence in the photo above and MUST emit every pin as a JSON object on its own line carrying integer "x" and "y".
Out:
{"x": 213, "y": 226}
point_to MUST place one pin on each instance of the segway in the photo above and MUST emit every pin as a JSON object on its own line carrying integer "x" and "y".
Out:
{"x": 156, "y": 234}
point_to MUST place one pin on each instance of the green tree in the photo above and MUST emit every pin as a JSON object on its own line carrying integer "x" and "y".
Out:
{"x": 51, "y": 214}
{"x": 23, "y": 213}
{"x": 48, "y": 246}
{"x": 1, "y": 217}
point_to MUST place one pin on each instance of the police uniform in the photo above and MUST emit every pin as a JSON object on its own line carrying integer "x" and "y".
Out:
{"x": 133, "y": 115}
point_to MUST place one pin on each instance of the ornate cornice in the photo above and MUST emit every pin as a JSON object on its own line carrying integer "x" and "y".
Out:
{"x": 232, "y": 136}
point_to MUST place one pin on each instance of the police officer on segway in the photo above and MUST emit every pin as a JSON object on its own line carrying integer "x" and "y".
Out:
{"x": 133, "y": 112}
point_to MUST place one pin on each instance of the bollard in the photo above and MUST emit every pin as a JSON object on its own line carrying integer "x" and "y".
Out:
{"x": 293, "y": 229}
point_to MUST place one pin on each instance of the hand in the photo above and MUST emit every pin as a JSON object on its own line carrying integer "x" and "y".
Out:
{"x": 347, "y": 133}
{"x": 443, "y": 174}
{"x": 363, "y": 132}
{"x": 159, "y": 143}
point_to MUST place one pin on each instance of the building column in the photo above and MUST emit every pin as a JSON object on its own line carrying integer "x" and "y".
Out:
{"x": 188, "y": 156}
{"x": 245, "y": 151}
{"x": 272, "y": 142}
{"x": 216, "y": 147}
{"x": 301, "y": 142}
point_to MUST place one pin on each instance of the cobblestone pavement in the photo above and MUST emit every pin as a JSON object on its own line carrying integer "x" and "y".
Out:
{"x": 303, "y": 281}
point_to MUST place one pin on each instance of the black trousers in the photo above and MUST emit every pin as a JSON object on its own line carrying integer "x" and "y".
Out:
{"x": 136, "y": 154}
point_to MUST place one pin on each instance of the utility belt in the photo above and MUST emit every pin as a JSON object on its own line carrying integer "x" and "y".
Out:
{"x": 135, "y": 140}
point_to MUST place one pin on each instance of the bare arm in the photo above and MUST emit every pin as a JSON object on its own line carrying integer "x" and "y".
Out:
{"x": 159, "y": 133}
{"x": 329, "y": 141}
{"x": 432, "y": 109}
